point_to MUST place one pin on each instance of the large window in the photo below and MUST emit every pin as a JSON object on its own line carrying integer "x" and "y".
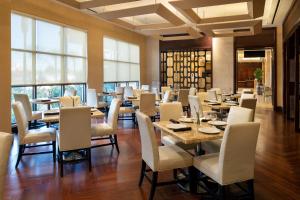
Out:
{"x": 121, "y": 61}
{"x": 46, "y": 53}
{"x": 47, "y": 58}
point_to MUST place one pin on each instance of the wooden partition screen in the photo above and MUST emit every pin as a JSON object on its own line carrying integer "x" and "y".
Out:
{"x": 186, "y": 68}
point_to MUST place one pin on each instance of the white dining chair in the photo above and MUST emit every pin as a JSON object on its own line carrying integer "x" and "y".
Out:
{"x": 145, "y": 87}
{"x": 247, "y": 96}
{"x": 119, "y": 91}
{"x": 6, "y": 140}
{"x": 236, "y": 160}
{"x": 158, "y": 158}
{"x": 192, "y": 91}
{"x": 163, "y": 89}
{"x": 30, "y": 115}
{"x": 167, "y": 96}
{"x": 108, "y": 129}
{"x": 249, "y": 103}
{"x": 92, "y": 100}
{"x": 128, "y": 92}
{"x": 69, "y": 101}
{"x": 70, "y": 92}
{"x": 212, "y": 95}
{"x": 74, "y": 133}
{"x": 236, "y": 115}
{"x": 27, "y": 137}
{"x": 147, "y": 105}
{"x": 156, "y": 92}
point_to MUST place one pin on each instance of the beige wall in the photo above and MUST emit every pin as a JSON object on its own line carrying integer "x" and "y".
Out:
{"x": 223, "y": 62}
{"x": 5, "y": 66}
{"x": 53, "y": 11}
{"x": 152, "y": 59}
{"x": 279, "y": 66}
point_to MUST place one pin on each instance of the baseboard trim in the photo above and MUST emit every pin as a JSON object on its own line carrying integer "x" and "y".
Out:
{"x": 278, "y": 109}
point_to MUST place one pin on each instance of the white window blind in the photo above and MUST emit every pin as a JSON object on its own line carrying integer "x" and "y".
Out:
{"x": 46, "y": 53}
{"x": 121, "y": 61}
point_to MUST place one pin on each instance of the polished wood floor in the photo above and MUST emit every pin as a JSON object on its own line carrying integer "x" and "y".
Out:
{"x": 113, "y": 176}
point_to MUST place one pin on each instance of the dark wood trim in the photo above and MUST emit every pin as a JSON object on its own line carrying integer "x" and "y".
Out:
{"x": 292, "y": 20}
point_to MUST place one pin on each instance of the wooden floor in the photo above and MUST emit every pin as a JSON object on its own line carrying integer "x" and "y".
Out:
{"x": 113, "y": 176}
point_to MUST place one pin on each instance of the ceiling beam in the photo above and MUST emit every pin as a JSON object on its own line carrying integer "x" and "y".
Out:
{"x": 154, "y": 26}
{"x": 99, "y": 3}
{"x": 229, "y": 25}
{"x": 256, "y": 8}
{"x": 72, "y": 3}
{"x": 224, "y": 19}
{"x": 185, "y": 4}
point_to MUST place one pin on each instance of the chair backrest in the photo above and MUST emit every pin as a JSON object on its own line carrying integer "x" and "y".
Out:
{"x": 167, "y": 96}
{"x": 70, "y": 92}
{"x": 249, "y": 103}
{"x": 212, "y": 95}
{"x": 218, "y": 90}
{"x": 183, "y": 97}
{"x": 237, "y": 153}
{"x": 24, "y": 99}
{"x": 145, "y": 87}
{"x": 247, "y": 91}
{"x": 247, "y": 96}
{"x": 119, "y": 92}
{"x": 137, "y": 92}
{"x": 74, "y": 128}
{"x": 239, "y": 115}
{"x": 5, "y": 145}
{"x": 91, "y": 98}
{"x": 195, "y": 106}
{"x": 192, "y": 91}
{"x": 128, "y": 91}
{"x": 69, "y": 101}
{"x": 148, "y": 141}
{"x": 164, "y": 89}
{"x": 113, "y": 113}
{"x": 147, "y": 104}
{"x": 156, "y": 92}
{"x": 202, "y": 96}
{"x": 21, "y": 119}
{"x": 170, "y": 111}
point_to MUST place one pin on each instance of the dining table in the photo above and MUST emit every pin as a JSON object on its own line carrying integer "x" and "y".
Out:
{"x": 45, "y": 101}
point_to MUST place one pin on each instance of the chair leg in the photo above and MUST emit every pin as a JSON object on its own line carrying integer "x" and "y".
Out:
{"x": 143, "y": 171}
{"x": 153, "y": 185}
{"x": 54, "y": 150}
{"x": 61, "y": 163}
{"x": 116, "y": 143}
{"x": 175, "y": 174}
{"x": 221, "y": 192}
{"x": 21, "y": 149}
{"x": 192, "y": 179}
{"x": 250, "y": 184}
{"x": 89, "y": 159}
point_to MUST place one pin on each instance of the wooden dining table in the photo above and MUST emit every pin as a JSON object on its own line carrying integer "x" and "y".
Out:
{"x": 47, "y": 102}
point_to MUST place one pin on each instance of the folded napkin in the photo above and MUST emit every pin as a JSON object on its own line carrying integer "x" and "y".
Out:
{"x": 182, "y": 129}
{"x": 174, "y": 121}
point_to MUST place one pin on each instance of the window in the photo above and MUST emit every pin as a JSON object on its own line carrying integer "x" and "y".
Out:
{"x": 121, "y": 61}
{"x": 46, "y": 53}
{"x": 47, "y": 59}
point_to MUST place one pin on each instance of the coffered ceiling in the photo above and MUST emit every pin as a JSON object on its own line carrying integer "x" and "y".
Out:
{"x": 184, "y": 19}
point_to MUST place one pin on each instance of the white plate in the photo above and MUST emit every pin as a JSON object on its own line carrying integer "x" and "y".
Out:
{"x": 217, "y": 123}
{"x": 209, "y": 130}
{"x": 176, "y": 126}
{"x": 186, "y": 120}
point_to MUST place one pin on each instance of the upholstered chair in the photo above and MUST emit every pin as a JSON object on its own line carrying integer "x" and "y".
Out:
{"x": 69, "y": 101}
{"x": 183, "y": 98}
{"x": 74, "y": 133}
{"x": 247, "y": 96}
{"x": 218, "y": 90}
{"x": 145, "y": 87}
{"x": 156, "y": 92}
{"x": 195, "y": 106}
{"x": 30, "y": 115}
{"x": 137, "y": 92}
{"x": 167, "y": 96}
{"x": 92, "y": 99}
{"x": 119, "y": 92}
{"x": 203, "y": 97}
{"x": 128, "y": 91}
{"x": 70, "y": 92}
{"x": 27, "y": 137}
{"x": 163, "y": 89}
{"x": 249, "y": 103}
{"x": 192, "y": 91}
{"x": 236, "y": 160}
{"x": 147, "y": 105}
{"x": 236, "y": 115}
{"x": 108, "y": 130}
{"x": 6, "y": 140}
{"x": 170, "y": 111}
{"x": 158, "y": 158}
{"x": 212, "y": 95}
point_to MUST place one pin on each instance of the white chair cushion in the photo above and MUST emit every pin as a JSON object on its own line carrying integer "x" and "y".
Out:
{"x": 36, "y": 115}
{"x": 169, "y": 140}
{"x": 126, "y": 110}
{"x": 173, "y": 157}
{"x": 102, "y": 129}
{"x": 40, "y": 135}
{"x": 208, "y": 164}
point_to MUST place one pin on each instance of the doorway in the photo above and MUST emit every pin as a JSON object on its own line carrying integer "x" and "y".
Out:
{"x": 255, "y": 72}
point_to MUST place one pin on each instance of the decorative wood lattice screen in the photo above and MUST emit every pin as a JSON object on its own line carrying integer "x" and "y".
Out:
{"x": 186, "y": 68}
